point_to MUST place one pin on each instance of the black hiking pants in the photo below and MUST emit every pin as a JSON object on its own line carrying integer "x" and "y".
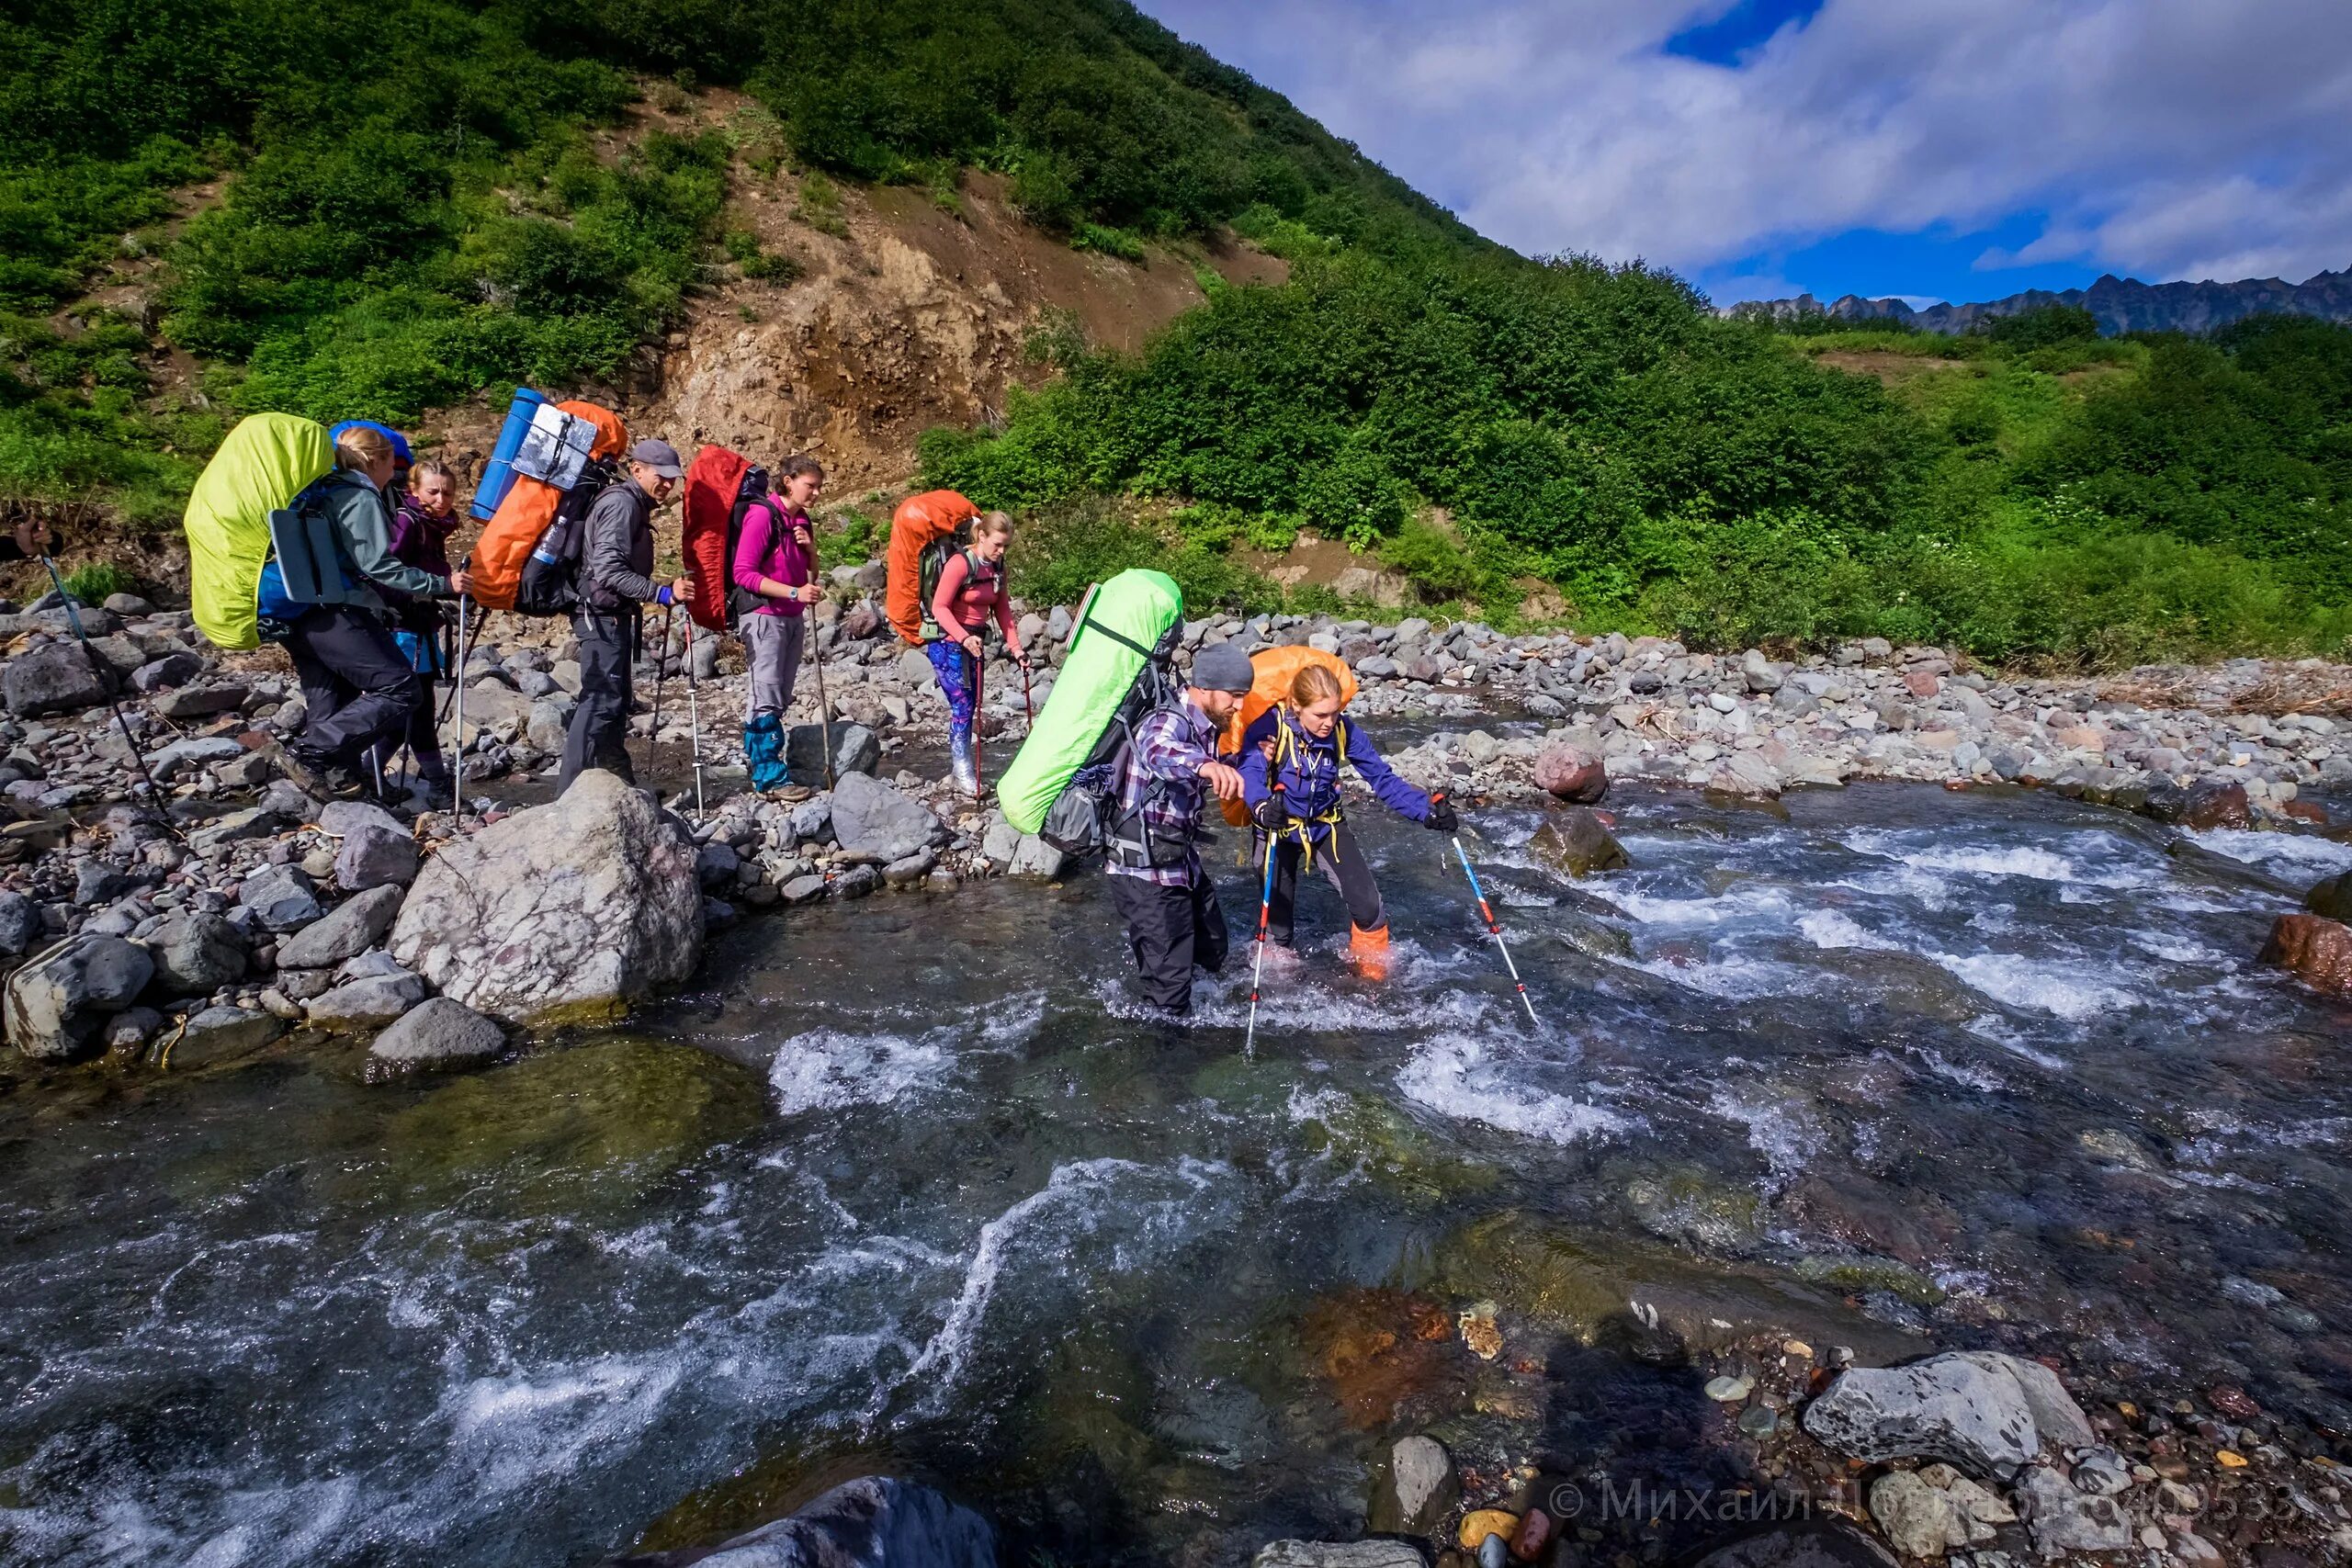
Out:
{"x": 423, "y": 736}
{"x": 1339, "y": 860}
{"x": 355, "y": 684}
{"x": 1170, "y": 929}
{"x": 598, "y": 736}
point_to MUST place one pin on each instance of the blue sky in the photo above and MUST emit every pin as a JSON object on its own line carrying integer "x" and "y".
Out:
{"x": 1933, "y": 148}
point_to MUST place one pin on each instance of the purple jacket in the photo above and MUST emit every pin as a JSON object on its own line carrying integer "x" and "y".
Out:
{"x": 422, "y": 540}
{"x": 767, "y": 549}
{"x": 1308, "y": 770}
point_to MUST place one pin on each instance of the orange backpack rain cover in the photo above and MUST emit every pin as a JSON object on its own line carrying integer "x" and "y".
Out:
{"x": 712, "y": 480}
{"x": 1271, "y": 670}
{"x": 496, "y": 564}
{"x": 918, "y": 520}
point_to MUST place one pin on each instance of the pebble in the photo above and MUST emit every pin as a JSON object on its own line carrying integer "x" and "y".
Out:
{"x": 1730, "y": 1390}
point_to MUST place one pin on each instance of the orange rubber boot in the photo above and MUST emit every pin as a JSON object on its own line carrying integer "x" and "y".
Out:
{"x": 1369, "y": 949}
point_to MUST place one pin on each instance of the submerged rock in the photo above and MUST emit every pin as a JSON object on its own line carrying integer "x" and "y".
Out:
{"x": 438, "y": 1033}
{"x": 2062, "y": 1518}
{"x": 1575, "y": 843}
{"x": 1822, "y": 1543}
{"x": 1337, "y": 1554}
{"x": 875, "y": 1521}
{"x": 1986, "y": 1412}
{"x": 1417, "y": 1489}
{"x": 567, "y": 910}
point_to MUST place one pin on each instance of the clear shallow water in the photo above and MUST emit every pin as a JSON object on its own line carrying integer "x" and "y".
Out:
{"x": 908, "y": 1184}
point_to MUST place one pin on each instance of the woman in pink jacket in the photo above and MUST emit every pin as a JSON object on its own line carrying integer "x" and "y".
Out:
{"x": 776, "y": 559}
{"x": 971, "y": 589}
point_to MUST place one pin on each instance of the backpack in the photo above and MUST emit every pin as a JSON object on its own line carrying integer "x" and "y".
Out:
{"x": 919, "y": 521}
{"x": 721, "y": 488}
{"x": 1138, "y": 616}
{"x": 530, "y": 506}
{"x": 741, "y": 600}
{"x": 550, "y": 580}
{"x": 267, "y": 461}
{"x": 933, "y": 565}
{"x": 1085, "y": 819}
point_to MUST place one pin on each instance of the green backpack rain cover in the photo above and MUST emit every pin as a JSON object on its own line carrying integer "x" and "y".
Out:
{"x": 267, "y": 461}
{"x": 1138, "y": 606}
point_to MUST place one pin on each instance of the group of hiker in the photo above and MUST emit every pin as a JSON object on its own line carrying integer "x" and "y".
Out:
{"x": 354, "y": 578}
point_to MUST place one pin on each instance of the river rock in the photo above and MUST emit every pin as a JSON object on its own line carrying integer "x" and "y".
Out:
{"x": 871, "y": 819}
{"x": 2217, "y": 803}
{"x": 805, "y": 889}
{"x": 1571, "y": 772}
{"x": 57, "y": 1004}
{"x": 1920, "y": 1519}
{"x": 19, "y": 923}
{"x": 1035, "y": 857}
{"x": 1416, "y": 1491}
{"x": 281, "y": 896}
{"x": 254, "y": 822}
{"x": 219, "y": 1032}
{"x": 436, "y": 1033}
{"x": 375, "y": 856}
{"x": 196, "y": 955}
{"x": 201, "y": 702}
{"x": 2315, "y": 950}
{"x": 1818, "y": 1543}
{"x": 1001, "y": 843}
{"x": 131, "y": 1028}
{"x": 369, "y": 1002}
{"x": 1746, "y": 776}
{"x": 356, "y": 925}
{"x": 873, "y": 1522}
{"x": 54, "y": 679}
{"x": 2332, "y": 899}
{"x": 856, "y": 750}
{"x": 1575, "y": 843}
{"x": 1988, "y": 1413}
{"x": 569, "y": 909}
{"x": 2062, "y": 1518}
{"x": 1337, "y": 1554}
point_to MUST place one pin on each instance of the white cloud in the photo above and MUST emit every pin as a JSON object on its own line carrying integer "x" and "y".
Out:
{"x": 2163, "y": 138}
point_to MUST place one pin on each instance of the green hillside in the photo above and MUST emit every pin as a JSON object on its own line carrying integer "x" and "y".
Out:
{"x": 407, "y": 202}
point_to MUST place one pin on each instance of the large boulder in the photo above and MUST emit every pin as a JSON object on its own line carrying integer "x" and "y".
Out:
{"x": 1577, "y": 843}
{"x": 569, "y": 910}
{"x": 56, "y": 678}
{"x": 1571, "y": 772}
{"x": 196, "y": 955}
{"x": 57, "y": 1003}
{"x": 871, "y": 819}
{"x": 356, "y": 925}
{"x": 2315, "y": 950}
{"x": 856, "y": 750}
{"x": 872, "y": 1522}
{"x": 1988, "y": 1413}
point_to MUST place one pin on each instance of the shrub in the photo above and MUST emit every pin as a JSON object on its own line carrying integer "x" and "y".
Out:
{"x": 96, "y": 581}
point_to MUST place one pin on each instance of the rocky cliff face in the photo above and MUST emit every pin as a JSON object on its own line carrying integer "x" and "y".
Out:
{"x": 2121, "y": 304}
{"x": 894, "y": 311}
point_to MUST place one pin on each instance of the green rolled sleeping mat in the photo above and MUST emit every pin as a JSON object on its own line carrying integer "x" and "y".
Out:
{"x": 1117, "y": 626}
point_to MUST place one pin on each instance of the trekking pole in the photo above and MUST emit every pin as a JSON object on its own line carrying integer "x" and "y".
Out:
{"x": 105, "y": 684}
{"x": 980, "y": 719}
{"x": 824, "y": 710}
{"x": 1494, "y": 928}
{"x": 693, "y": 713}
{"x": 1257, "y": 969}
{"x": 1028, "y": 705}
{"x": 458, "y": 731}
{"x": 662, "y": 667}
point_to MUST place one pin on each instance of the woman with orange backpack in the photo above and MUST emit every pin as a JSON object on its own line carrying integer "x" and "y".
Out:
{"x": 971, "y": 589}
{"x": 1290, "y": 776}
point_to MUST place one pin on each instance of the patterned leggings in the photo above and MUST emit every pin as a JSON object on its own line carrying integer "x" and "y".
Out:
{"x": 960, "y": 681}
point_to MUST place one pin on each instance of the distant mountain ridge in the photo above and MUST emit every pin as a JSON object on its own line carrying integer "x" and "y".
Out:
{"x": 2121, "y": 304}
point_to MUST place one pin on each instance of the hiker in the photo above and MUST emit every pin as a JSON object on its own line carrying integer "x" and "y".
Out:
{"x": 424, "y": 515}
{"x": 357, "y": 688}
{"x": 1155, "y": 877}
{"x": 616, "y": 581}
{"x": 971, "y": 588}
{"x": 774, "y": 562}
{"x": 1299, "y": 745}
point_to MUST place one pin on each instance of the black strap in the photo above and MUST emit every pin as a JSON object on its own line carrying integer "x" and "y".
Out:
{"x": 1122, "y": 641}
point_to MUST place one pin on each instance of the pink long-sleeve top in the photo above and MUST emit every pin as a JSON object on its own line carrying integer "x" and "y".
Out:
{"x": 964, "y": 598}
{"x": 768, "y": 548}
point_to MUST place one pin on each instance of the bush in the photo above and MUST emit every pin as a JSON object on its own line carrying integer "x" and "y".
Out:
{"x": 1063, "y": 549}
{"x": 97, "y": 580}
{"x": 2041, "y": 328}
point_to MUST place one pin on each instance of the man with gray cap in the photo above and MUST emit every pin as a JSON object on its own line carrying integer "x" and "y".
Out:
{"x": 616, "y": 581}
{"x": 1157, "y": 880}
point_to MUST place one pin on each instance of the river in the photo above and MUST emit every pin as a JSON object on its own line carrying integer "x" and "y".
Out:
{"x": 907, "y": 1184}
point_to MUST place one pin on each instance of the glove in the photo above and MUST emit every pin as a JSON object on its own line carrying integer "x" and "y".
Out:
{"x": 1274, "y": 813}
{"x": 1441, "y": 818}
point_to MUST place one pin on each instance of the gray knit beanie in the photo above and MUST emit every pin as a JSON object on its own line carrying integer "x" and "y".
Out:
{"x": 1223, "y": 667}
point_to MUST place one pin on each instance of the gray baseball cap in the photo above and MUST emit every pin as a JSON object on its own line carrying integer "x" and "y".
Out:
{"x": 659, "y": 455}
{"x": 1223, "y": 667}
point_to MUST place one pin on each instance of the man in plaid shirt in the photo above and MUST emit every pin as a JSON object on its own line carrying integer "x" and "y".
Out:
{"x": 1156, "y": 876}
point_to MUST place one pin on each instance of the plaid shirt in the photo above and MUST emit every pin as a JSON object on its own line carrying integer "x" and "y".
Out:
{"x": 1169, "y": 747}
